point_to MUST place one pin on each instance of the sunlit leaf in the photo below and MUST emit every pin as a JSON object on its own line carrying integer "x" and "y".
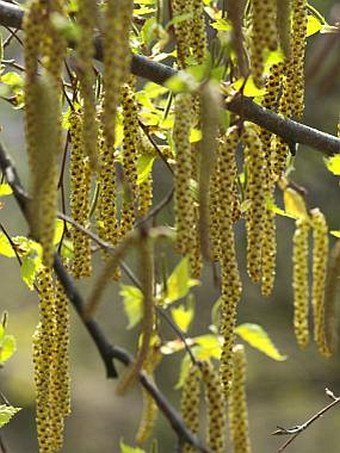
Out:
{"x": 58, "y": 231}
{"x": 195, "y": 135}
{"x": 7, "y": 345}
{"x": 295, "y": 205}
{"x": 221, "y": 25}
{"x": 258, "y": 338}
{"x": 335, "y": 233}
{"x": 5, "y": 246}
{"x": 313, "y": 26}
{"x": 31, "y": 266}
{"x": 13, "y": 80}
{"x": 179, "y": 282}
{"x": 183, "y": 316}
{"x": 207, "y": 346}
{"x": 133, "y": 304}
{"x": 6, "y": 413}
{"x": 277, "y": 210}
{"x": 5, "y": 189}
{"x": 144, "y": 167}
{"x": 183, "y": 371}
{"x": 249, "y": 88}
{"x": 333, "y": 164}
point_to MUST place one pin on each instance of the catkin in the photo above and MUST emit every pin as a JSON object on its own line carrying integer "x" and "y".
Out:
{"x": 183, "y": 27}
{"x": 80, "y": 194}
{"x": 300, "y": 281}
{"x": 320, "y": 259}
{"x": 216, "y": 414}
{"x": 183, "y": 200}
{"x": 198, "y": 34}
{"x": 131, "y": 145}
{"x": 44, "y": 149}
{"x": 87, "y": 13}
{"x": 190, "y": 401}
{"x": 238, "y": 413}
{"x": 150, "y": 408}
{"x": 255, "y": 193}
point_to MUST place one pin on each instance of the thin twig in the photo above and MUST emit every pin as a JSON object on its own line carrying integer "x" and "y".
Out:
{"x": 295, "y": 431}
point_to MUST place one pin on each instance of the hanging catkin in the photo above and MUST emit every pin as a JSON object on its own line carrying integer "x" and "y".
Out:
{"x": 190, "y": 400}
{"x": 183, "y": 199}
{"x": 183, "y": 9}
{"x": 44, "y": 150}
{"x": 87, "y": 12}
{"x": 320, "y": 259}
{"x": 79, "y": 195}
{"x": 216, "y": 418}
{"x": 255, "y": 193}
{"x": 238, "y": 413}
{"x": 131, "y": 146}
{"x": 300, "y": 281}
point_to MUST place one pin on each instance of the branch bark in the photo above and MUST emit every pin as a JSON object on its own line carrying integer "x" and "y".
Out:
{"x": 291, "y": 131}
{"x": 107, "y": 351}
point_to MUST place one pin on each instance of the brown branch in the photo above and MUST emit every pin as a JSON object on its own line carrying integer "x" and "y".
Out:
{"x": 295, "y": 431}
{"x": 291, "y": 131}
{"x": 107, "y": 351}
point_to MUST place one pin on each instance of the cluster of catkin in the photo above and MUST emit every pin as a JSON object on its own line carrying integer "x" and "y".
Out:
{"x": 203, "y": 374}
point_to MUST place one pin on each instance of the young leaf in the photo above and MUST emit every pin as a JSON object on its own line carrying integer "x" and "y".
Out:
{"x": 313, "y": 26}
{"x": 144, "y": 167}
{"x": 294, "y": 203}
{"x": 333, "y": 164}
{"x": 7, "y": 346}
{"x": 183, "y": 316}
{"x": 6, "y": 413}
{"x": 31, "y": 265}
{"x": 126, "y": 449}
{"x": 5, "y": 189}
{"x": 179, "y": 282}
{"x": 258, "y": 338}
{"x": 335, "y": 233}
{"x": 5, "y": 247}
{"x": 133, "y": 304}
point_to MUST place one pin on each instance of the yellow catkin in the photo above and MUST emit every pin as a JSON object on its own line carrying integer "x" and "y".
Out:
{"x": 145, "y": 196}
{"x": 49, "y": 418}
{"x": 131, "y": 145}
{"x": 268, "y": 259}
{"x": 216, "y": 412}
{"x": 320, "y": 259}
{"x": 87, "y": 13}
{"x": 190, "y": 401}
{"x": 300, "y": 281}
{"x": 331, "y": 293}
{"x": 183, "y": 199}
{"x": 198, "y": 34}
{"x": 80, "y": 194}
{"x": 263, "y": 35}
{"x": 62, "y": 339}
{"x": 255, "y": 194}
{"x": 238, "y": 413}
{"x": 183, "y": 27}
{"x": 116, "y": 61}
{"x": 44, "y": 149}
{"x": 150, "y": 408}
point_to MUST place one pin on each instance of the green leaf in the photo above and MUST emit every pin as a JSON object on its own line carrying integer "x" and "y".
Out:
{"x": 208, "y": 346}
{"x": 183, "y": 315}
{"x": 6, "y": 413}
{"x": 183, "y": 371}
{"x": 133, "y": 304}
{"x": 258, "y": 338}
{"x": 249, "y": 88}
{"x": 126, "y": 449}
{"x": 31, "y": 266}
{"x": 195, "y": 135}
{"x": 5, "y": 189}
{"x": 5, "y": 247}
{"x": 222, "y": 25}
{"x": 295, "y": 205}
{"x": 314, "y": 25}
{"x": 144, "y": 167}
{"x": 7, "y": 345}
{"x": 179, "y": 282}
{"x": 182, "y": 82}
{"x": 333, "y": 164}
{"x": 335, "y": 233}
{"x": 13, "y": 80}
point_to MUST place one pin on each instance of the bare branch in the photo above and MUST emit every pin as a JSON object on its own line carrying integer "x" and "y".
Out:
{"x": 291, "y": 131}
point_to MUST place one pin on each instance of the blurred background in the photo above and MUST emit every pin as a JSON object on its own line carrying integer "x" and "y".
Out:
{"x": 284, "y": 394}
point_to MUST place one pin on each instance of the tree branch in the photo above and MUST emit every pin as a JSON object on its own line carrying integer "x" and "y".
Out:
{"x": 107, "y": 351}
{"x": 291, "y": 131}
